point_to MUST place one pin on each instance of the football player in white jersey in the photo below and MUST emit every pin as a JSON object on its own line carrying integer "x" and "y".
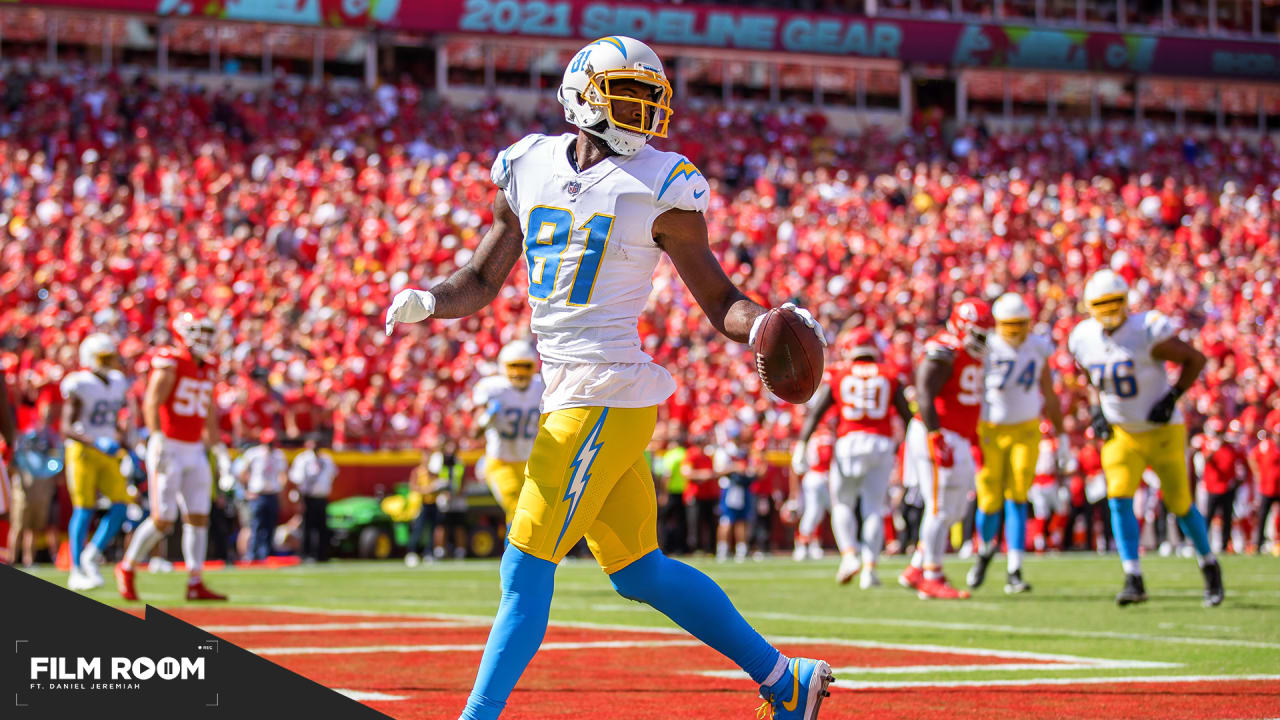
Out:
{"x": 509, "y": 410}
{"x": 1136, "y": 414}
{"x": 94, "y": 396}
{"x": 592, "y": 213}
{"x": 1019, "y": 386}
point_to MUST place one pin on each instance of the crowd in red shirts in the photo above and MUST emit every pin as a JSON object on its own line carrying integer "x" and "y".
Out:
{"x": 293, "y": 215}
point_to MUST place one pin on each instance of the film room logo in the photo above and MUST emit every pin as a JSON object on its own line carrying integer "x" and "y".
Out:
{"x": 72, "y": 674}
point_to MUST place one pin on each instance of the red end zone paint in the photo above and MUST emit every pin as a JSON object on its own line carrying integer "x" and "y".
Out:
{"x": 660, "y": 683}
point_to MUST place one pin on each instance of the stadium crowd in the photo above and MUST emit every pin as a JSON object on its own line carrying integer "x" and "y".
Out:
{"x": 293, "y": 215}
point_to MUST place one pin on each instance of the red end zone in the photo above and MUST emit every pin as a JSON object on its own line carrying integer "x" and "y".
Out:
{"x": 416, "y": 667}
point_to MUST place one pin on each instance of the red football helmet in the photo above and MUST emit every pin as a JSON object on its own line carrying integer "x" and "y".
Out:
{"x": 971, "y": 322}
{"x": 194, "y": 332}
{"x": 862, "y": 343}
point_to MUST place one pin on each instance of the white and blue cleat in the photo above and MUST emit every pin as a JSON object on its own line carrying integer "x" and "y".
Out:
{"x": 799, "y": 693}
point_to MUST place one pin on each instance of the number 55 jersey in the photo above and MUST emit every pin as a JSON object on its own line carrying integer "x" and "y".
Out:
{"x": 590, "y": 253}
{"x": 1128, "y": 379}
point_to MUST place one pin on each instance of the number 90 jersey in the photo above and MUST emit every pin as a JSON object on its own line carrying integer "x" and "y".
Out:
{"x": 182, "y": 415}
{"x": 863, "y": 392}
{"x": 1129, "y": 381}
{"x": 1013, "y": 379}
{"x": 959, "y": 402}
{"x": 515, "y": 413}
{"x": 100, "y": 401}
{"x": 589, "y": 249}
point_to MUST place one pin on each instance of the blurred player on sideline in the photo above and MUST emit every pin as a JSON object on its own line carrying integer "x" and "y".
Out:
{"x": 592, "y": 214}
{"x": 810, "y": 466}
{"x": 863, "y": 388}
{"x": 508, "y": 413}
{"x": 1019, "y": 386}
{"x": 183, "y": 422}
{"x": 1136, "y": 414}
{"x": 94, "y": 397}
{"x": 940, "y": 439}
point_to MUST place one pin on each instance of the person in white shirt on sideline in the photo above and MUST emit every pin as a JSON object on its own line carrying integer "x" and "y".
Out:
{"x": 264, "y": 471}
{"x": 313, "y": 472}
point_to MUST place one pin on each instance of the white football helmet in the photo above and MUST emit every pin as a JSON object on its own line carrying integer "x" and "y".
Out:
{"x": 196, "y": 332}
{"x": 589, "y": 98}
{"x": 1013, "y": 318}
{"x": 98, "y": 352}
{"x": 1107, "y": 297}
{"x": 519, "y": 362}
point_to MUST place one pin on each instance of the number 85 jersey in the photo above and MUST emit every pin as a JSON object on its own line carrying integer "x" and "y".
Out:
{"x": 588, "y": 241}
{"x": 863, "y": 393}
{"x": 1129, "y": 381}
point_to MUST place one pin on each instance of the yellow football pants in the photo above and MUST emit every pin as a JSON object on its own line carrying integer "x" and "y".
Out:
{"x": 90, "y": 472}
{"x": 1009, "y": 455}
{"x": 505, "y": 480}
{"x": 587, "y": 476}
{"x": 1126, "y": 455}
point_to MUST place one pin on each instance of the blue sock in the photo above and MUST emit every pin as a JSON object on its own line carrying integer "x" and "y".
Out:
{"x": 1015, "y": 524}
{"x": 987, "y": 524}
{"x": 78, "y": 532}
{"x": 109, "y": 526}
{"x": 694, "y": 602}
{"x": 527, "y": 586}
{"x": 1124, "y": 525}
{"x": 1193, "y": 526}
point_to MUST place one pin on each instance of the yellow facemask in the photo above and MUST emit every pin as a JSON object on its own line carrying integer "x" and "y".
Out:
{"x": 656, "y": 111}
{"x": 519, "y": 374}
{"x": 1014, "y": 331}
{"x": 1110, "y": 311}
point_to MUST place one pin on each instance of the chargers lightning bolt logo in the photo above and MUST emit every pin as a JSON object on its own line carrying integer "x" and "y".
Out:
{"x": 580, "y": 472}
{"x": 685, "y": 168}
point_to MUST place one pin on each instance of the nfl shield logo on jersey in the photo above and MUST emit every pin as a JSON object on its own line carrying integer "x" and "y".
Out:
{"x": 573, "y": 187}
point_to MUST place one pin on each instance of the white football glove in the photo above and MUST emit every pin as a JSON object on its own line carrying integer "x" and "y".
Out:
{"x": 805, "y": 315}
{"x": 1063, "y": 455}
{"x": 798, "y": 461}
{"x": 410, "y": 306}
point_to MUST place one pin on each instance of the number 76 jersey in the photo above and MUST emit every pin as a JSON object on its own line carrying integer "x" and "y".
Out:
{"x": 1128, "y": 379}
{"x": 863, "y": 394}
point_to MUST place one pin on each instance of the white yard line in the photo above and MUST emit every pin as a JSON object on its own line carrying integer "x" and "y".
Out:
{"x": 363, "y": 695}
{"x": 340, "y": 626}
{"x": 890, "y": 685}
{"x": 472, "y": 647}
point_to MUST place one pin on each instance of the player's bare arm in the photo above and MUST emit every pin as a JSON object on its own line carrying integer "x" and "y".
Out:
{"x": 682, "y": 234}
{"x": 1052, "y": 405}
{"x": 822, "y": 403}
{"x": 71, "y": 411}
{"x": 1181, "y": 353}
{"x": 901, "y": 405}
{"x": 159, "y": 386}
{"x": 472, "y": 286}
{"x": 932, "y": 375}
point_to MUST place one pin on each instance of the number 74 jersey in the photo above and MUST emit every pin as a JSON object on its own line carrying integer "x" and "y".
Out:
{"x": 863, "y": 394}
{"x": 1013, "y": 379}
{"x": 1128, "y": 379}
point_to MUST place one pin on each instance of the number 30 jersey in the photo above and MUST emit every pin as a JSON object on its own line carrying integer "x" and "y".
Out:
{"x": 182, "y": 415}
{"x": 1013, "y": 379}
{"x": 100, "y": 401}
{"x": 1129, "y": 381}
{"x": 863, "y": 393}
{"x": 589, "y": 249}
{"x": 515, "y": 413}
{"x": 959, "y": 402}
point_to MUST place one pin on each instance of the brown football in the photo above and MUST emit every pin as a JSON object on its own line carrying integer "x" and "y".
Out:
{"x": 788, "y": 356}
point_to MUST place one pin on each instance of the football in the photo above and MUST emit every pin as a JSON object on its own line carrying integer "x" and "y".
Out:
{"x": 788, "y": 356}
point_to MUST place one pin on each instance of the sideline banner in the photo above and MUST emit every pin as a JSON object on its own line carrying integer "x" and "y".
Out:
{"x": 944, "y": 42}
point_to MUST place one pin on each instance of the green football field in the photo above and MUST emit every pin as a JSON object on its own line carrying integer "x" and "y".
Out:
{"x": 1042, "y": 654}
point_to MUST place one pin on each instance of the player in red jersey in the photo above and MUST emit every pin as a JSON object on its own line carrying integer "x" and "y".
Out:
{"x": 940, "y": 440}
{"x": 862, "y": 389}
{"x": 183, "y": 422}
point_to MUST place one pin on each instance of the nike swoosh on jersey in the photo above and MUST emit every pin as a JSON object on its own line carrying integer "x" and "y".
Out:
{"x": 699, "y": 193}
